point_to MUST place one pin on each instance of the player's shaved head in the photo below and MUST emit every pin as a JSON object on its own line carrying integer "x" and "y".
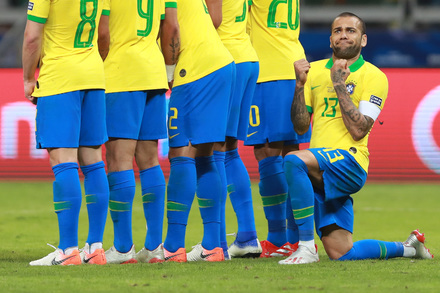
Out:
{"x": 362, "y": 27}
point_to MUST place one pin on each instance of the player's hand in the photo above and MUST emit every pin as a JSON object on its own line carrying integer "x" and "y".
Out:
{"x": 29, "y": 87}
{"x": 340, "y": 71}
{"x": 302, "y": 67}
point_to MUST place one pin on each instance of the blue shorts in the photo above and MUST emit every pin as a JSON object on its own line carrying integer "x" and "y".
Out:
{"x": 198, "y": 110}
{"x": 342, "y": 176}
{"x": 241, "y": 100}
{"x": 139, "y": 115}
{"x": 270, "y": 114}
{"x": 70, "y": 120}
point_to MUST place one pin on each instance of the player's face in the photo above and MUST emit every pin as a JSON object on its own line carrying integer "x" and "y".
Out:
{"x": 347, "y": 39}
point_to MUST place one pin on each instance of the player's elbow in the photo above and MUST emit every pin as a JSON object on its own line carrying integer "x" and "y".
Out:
{"x": 357, "y": 136}
{"x": 300, "y": 129}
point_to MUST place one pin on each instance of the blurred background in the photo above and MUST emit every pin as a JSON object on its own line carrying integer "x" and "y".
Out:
{"x": 402, "y": 33}
{"x": 403, "y": 41}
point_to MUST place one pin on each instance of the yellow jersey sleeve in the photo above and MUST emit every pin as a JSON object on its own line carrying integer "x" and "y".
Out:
{"x": 69, "y": 59}
{"x": 232, "y": 31}
{"x": 135, "y": 61}
{"x": 274, "y": 31}
{"x": 201, "y": 49}
{"x": 365, "y": 82}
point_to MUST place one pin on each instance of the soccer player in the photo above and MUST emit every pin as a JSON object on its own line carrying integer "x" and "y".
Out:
{"x": 345, "y": 94}
{"x": 196, "y": 119}
{"x": 136, "y": 83}
{"x": 70, "y": 99}
{"x": 274, "y": 30}
{"x": 232, "y": 31}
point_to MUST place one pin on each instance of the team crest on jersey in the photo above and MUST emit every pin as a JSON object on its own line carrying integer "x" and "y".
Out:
{"x": 31, "y": 6}
{"x": 350, "y": 87}
{"x": 376, "y": 100}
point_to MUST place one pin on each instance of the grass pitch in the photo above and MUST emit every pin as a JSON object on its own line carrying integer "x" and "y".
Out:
{"x": 382, "y": 211}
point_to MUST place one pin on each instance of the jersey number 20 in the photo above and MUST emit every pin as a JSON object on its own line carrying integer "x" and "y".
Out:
{"x": 273, "y": 11}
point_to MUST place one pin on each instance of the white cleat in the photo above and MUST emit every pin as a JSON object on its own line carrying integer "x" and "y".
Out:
{"x": 251, "y": 248}
{"x": 198, "y": 253}
{"x": 150, "y": 256}
{"x": 302, "y": 255}
{"x": 115, "y": 257}
{"x": 58, "y": 258}
{"x": 417, "y": 240}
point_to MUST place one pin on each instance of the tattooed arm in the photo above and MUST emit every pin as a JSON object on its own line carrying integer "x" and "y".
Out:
{"x": 298, "y": 112}
{"x": 170, "y": 41}
{"x": 357, "y": 124}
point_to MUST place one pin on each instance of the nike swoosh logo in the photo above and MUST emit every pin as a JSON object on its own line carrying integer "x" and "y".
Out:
{"x": 203, "y": 256}
{"x": 58, "y": 262}
{"x": 171, "y": 256}
{"x": 250, "y": 134}
{"x": 314, "y": 87}
{"x": 86, "y": 260}
{"x": 174, "y": 135}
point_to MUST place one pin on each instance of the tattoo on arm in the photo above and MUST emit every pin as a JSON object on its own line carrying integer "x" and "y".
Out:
{"x": 298, "y": 112}
{"x": 175, "y": 45}
{"x": 357, "y": 124}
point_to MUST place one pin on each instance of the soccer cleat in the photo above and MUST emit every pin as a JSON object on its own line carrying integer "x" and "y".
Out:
{"x": 271, "y": 250}
{"x": 251, "y": 248}
{"x": 178, "y": 256}
{"x": 58, "y": 258}
{"x": 417, "y": 240}
{"x": 150, "y": 256}
{"x": 201, "y": 254}
{"x": 115, "y": 257}
{"x": 302, "y": 255}
{"x": 285, "y": 250}
{"x": 96, "y": 258}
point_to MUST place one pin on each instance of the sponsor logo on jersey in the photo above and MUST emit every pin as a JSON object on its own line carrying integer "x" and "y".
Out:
{"x": 31, "y": 6}
{"x": 376, "y": 100}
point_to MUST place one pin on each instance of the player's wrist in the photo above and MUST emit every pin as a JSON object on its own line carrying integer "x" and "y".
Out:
{"x": 170, "y": 72}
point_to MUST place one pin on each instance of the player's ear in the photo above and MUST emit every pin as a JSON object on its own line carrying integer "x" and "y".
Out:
{"x": 364, "y": 40}
{"x": 330, "y": 38}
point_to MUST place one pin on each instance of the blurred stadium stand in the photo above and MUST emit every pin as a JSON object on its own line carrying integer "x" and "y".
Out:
{"x": 401, "y": 33}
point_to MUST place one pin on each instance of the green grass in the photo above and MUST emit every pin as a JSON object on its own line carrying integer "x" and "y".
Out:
{"x": 386, "y": 212}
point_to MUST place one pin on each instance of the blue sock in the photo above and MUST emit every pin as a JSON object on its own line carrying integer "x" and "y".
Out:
{"x": 122, "y": 189}
{"x": 367, "y": 249}
{"x": 67, "y": 197}
{"x": 97, "y": 197}
{"x": 180, "y": 195}
{"x": 240, "y": 194}
{"x": 292, "y": 227}
{"x": 219, "y": 158}
{"x": 302, "y": 196}
{"x": 273, "y": 191}
{"x": 209, "y": 188}
{"x": 153, "y": 199}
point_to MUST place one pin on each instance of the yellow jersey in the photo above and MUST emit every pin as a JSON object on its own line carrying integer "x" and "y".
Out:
{"x": 274, "y": 30}
{"x": 70, "y": 60}
{"x": 201, "y": 50}
{"x": 365, "y": 83}
{"x": 135, "y": 61}
{"x": 232, "y": 31}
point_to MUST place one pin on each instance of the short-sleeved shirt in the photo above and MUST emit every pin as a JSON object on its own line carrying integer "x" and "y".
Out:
{"x": 274, "y": 31}
{"x": 70, "y": 58}
{"x": 232, "y": 31}
{"x": 135, "y": 61}
{"x": 201, "y": 50}
{"x": 365, "y": 83}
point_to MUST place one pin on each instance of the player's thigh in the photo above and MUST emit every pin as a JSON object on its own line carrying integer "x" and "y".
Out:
{"x": 93, "y": 116}
{"x": 55, "y": 115}
{"x": 153, "y": 124}
{"x": 124, "y": 113}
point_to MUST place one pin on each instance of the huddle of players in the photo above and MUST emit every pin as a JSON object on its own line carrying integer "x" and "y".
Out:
{"x": 227, "y": 85}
